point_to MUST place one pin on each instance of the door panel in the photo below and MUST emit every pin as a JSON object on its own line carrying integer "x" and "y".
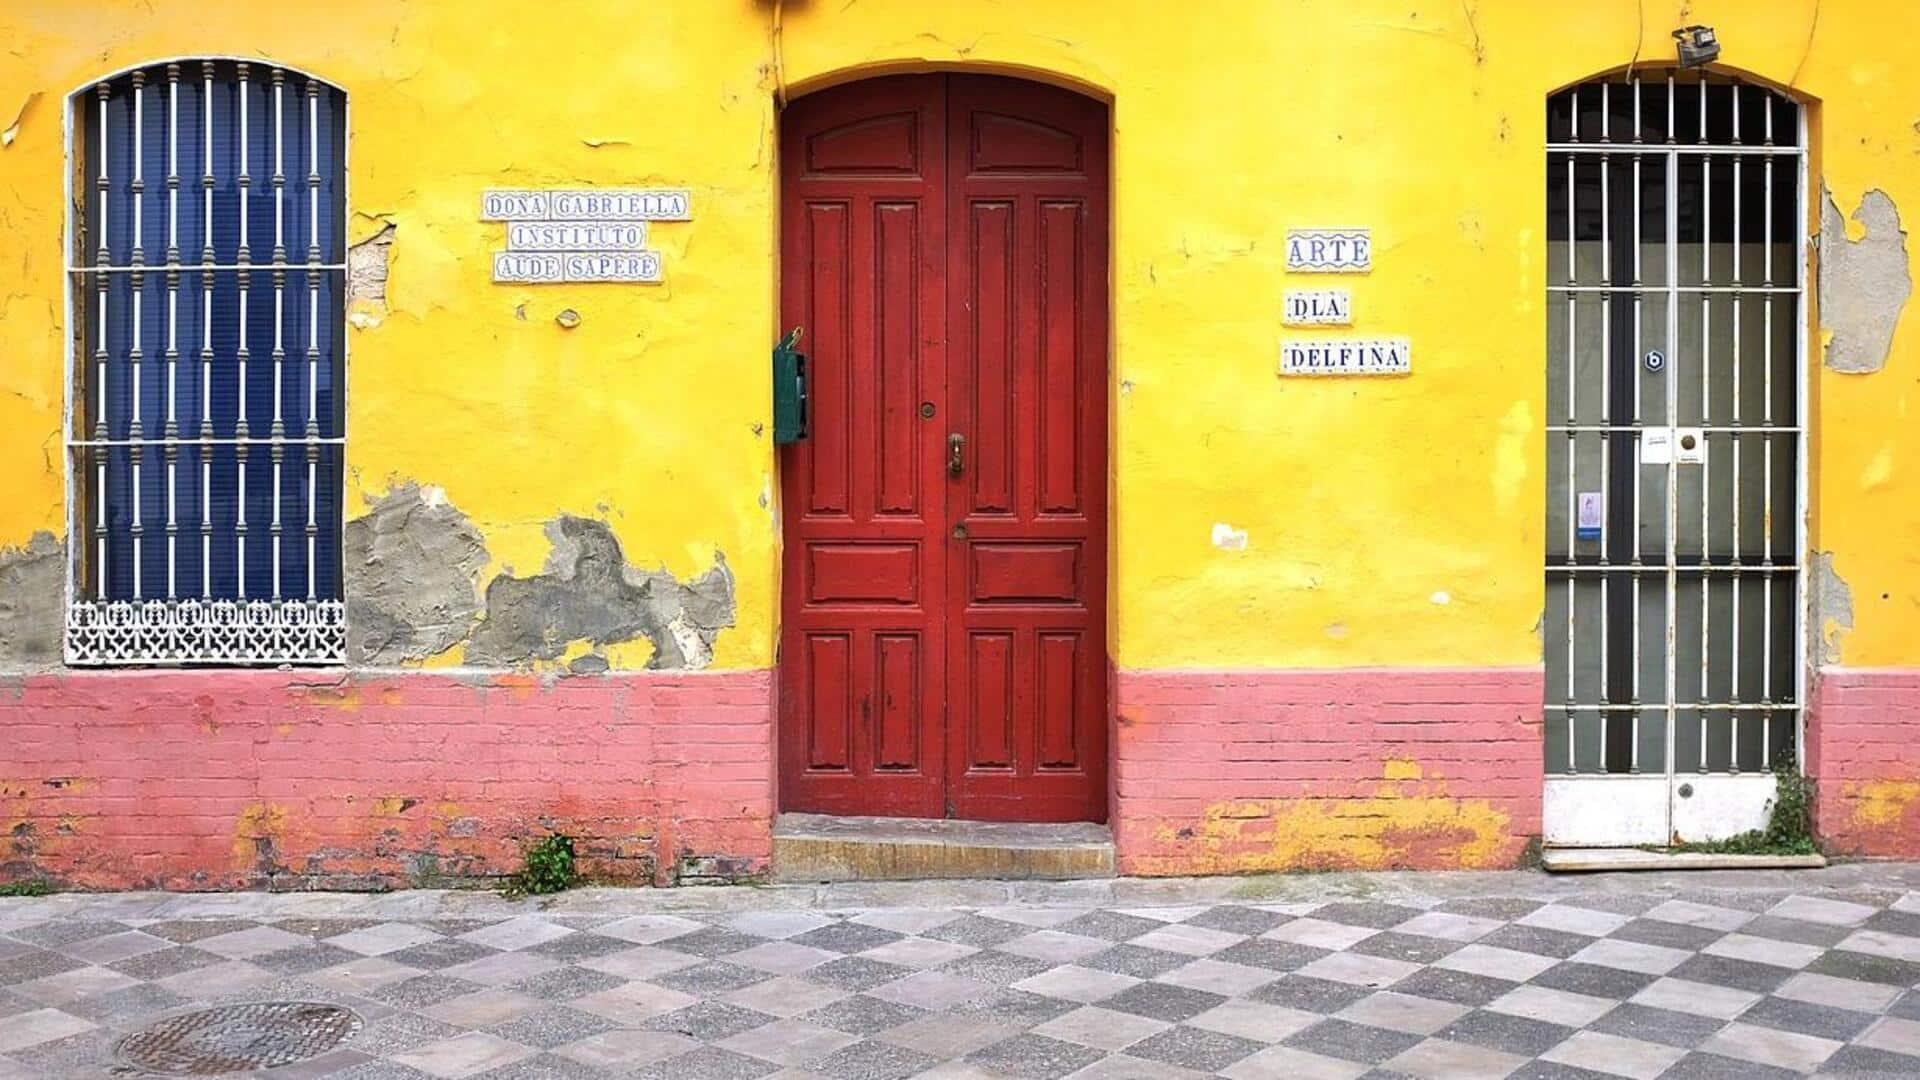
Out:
{"x": 1028, "y": 372}
{"x": 942, "y": 647}
{"x": 827, "y": 672}
{"x": 863, "y": 270}
{"x": 827, "y": 235}
{"x": 988, "y": 327}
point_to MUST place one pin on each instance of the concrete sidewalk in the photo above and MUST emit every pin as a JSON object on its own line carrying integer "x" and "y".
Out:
{"x": 1741, "y": 973}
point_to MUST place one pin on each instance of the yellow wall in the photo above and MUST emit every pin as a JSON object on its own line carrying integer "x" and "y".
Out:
{"x": 1364, "y": 501}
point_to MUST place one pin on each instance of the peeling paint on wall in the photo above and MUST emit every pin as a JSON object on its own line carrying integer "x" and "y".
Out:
{"x": 1832, "y": 602}
{"x": 1880, "y": 803}
{"x": 1876, "y": 818}
{"x": 588, "y": 592}
{"x": 1864, "y": 283}
{"x": 1410, "y": 820}
{"x": 12, "y": 130}
{"x": 32, "y": 594}
{"x": 413, "y": 566}
{"x": 367, "y": 263}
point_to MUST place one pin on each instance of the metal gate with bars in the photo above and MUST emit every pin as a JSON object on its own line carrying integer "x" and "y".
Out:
{"x": 1676, "y": 215}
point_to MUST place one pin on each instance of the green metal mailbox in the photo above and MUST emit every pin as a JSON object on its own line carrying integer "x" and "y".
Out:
{"x": 789, "y": 389}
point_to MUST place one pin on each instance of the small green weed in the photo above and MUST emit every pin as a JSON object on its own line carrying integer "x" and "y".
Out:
{"x": 546, "y": 867}
{"x": 26, "y": 887}
{"x": 1789, "y": 828}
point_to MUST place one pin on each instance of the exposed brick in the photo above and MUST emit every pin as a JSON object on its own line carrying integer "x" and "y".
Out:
{"x": 1228, "y": 771}
{"x": 276, "y": 779}
{"x": 1863, "y": 751}
{"x": 308, "y": 779}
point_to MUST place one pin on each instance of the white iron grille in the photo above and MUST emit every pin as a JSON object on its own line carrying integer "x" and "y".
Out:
{"x": 181, "y": 567}
{"x": 1676, "y": 208}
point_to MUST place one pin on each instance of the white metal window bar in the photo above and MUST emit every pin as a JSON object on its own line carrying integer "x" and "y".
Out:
{"x": 1676, "y": 451}
{"x": 150, "y": 451}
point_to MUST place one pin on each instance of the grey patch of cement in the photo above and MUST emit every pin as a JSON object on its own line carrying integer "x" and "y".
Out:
{"x": 1832, "y": 602}
{"x": 588, "y": 592}
{"x": 32, "y": 598}
{"x": 413, "y": 566}
{"x": 1864, "y": 283}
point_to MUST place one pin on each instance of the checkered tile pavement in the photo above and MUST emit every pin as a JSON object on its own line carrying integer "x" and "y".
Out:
{"x": 1702, "y": 983}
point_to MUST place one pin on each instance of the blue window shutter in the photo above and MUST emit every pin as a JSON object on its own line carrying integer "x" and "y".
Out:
{"x": 188, "y": 439}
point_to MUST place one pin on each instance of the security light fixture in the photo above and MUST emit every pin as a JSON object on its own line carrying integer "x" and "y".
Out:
{"x": 1698, "y": 46}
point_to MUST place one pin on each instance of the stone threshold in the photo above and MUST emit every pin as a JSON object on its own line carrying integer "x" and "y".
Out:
{"x": 1596, "y": 860}
{"x": 821, "y": 848}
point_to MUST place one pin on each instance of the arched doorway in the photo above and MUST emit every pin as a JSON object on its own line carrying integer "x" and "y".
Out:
{"x": 1676, "y": 397}
{"x": 942, "y": 649}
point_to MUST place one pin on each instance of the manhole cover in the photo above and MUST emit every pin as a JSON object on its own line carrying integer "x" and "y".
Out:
{"x": 233, "y": 1038}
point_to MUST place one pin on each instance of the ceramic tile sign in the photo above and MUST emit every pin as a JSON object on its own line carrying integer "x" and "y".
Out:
{"x": 588, "y": 204}
{"x": 581, "y": 235}
{"x": 1317, "y": 307}
{"x": 551, "y": 267}
{"x": 1329, "y": 251}
{"x": 576, "y": 235}
{"x": 531, "y": 267}
{"x": 1347, "y": 356}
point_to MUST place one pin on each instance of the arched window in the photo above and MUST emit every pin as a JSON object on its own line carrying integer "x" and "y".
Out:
{"x": 205, "y": 428}
{"x": 1676, "y": 309}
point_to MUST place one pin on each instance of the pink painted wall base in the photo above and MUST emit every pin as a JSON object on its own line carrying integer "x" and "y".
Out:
{"x": 1240, "y": 772}
{"x": 1863, "y": 749}
{"x": 319, "y": 779}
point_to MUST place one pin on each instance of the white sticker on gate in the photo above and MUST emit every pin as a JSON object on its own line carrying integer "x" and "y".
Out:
{"x": 1656, "y": 446}
{"x": 1592, "y": 512}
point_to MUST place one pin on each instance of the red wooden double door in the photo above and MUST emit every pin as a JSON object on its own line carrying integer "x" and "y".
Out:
{"x": 943, "y": 644}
